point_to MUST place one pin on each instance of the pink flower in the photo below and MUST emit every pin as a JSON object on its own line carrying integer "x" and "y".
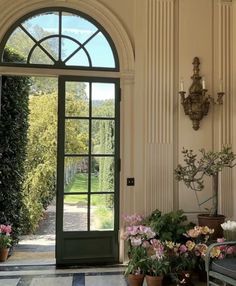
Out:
{"x": 182, "y": 248}
{"x": 221, "y": 256}
{"x": 8, "y": 229}
{"x": 158, "y": 247}
{"x": 134, "y": 219}
{"x": 5, "y": 229}
{"x": 136, "y": 241}
{"x": 230, "y": 250}
{"x": 221, "y": 239}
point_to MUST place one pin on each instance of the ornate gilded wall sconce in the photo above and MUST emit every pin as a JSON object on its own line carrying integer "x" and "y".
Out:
{"x": 197, "y": 103}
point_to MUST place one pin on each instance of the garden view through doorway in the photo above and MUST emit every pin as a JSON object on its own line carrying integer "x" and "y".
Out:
{"x": 72, "y": 159}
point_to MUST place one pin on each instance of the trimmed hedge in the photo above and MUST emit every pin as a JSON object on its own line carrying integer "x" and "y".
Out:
{"x": 13, "y": 140}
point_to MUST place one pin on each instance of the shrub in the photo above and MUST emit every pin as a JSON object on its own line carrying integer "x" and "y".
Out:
{"x": 169, "y": 226}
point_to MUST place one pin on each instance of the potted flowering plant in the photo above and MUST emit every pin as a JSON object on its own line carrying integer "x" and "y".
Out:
{"x": 157, "y": 263}
{"x": 182, "y": 260}
{"x": 200, "y": 236}
{"x": 137, "y": 236}
{"x": 229, "y": 229}
{"x": 5, "y": 241}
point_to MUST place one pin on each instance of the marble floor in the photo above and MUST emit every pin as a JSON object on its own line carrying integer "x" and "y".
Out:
{"x": 48, "y": 275}
{"x": 33, "y": 264}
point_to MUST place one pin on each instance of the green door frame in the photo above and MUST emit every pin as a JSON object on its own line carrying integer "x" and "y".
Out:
{"x": 86, "y": 247}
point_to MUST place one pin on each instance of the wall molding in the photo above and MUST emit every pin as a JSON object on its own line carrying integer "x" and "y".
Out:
{"x": 225, "y": 112}
{"x": 159, "y": 105}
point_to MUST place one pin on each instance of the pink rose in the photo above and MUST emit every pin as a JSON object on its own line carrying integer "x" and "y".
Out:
{"x": 182, "y": 248}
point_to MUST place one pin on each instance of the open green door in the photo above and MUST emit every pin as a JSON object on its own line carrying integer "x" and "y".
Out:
{"x": 88, "y": 171}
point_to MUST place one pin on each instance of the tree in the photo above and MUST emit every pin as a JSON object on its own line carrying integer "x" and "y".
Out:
{"x": 210, "y": 164}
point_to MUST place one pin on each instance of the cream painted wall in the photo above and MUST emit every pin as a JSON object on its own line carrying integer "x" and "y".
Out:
{"x": 195, "y": 39}
{"x": 165, "y": 36}
{"x": 124, "y": 11}
{"x": 205, "y": 30}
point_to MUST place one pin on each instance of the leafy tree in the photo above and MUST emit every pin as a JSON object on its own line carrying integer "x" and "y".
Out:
{"x": 22, "y": 44}
{"x": 103, "y": 142}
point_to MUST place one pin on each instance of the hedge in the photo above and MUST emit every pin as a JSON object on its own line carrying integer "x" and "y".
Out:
{"x": 13, "y": 140}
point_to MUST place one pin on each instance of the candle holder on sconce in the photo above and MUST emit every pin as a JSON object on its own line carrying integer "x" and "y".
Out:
{"x": 197, "y": 103}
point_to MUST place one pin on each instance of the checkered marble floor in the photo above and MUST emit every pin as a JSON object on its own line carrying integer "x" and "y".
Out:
{"x": 49, "y": 276}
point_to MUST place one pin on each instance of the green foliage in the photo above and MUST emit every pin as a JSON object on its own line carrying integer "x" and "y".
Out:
{"x": 157, "y": 267}
{"x": 13, "y": 140}
{"x": 5, "y": 241}
{"x": 103, "y": 143}
{"x": 104, "y": 218}
{"x": 40, "y": 164}
{"x": 137, "y": 262}
{"x": 169, "y": 226}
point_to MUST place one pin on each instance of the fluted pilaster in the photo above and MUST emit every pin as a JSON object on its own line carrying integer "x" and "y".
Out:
{"x": 159, "y": 105}
{"x": 226, "y": 112}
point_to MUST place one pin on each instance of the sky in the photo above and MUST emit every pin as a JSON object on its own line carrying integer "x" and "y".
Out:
{"x": 79, "y": 29}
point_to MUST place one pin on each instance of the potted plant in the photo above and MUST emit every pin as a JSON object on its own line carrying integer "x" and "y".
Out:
{"x": 194, "y": 170}
{"x": 182, "y": 261}
{"x": 200, "y": 236}
{"x": 137, "y": 236}
{"x": 136, "y": 267}
{"x": 157, "y": 263}
{"x": 169, "y": 226}
{"x": 5, "y": 241}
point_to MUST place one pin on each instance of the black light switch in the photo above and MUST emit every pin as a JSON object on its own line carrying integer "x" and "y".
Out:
{"x": 130, "y": 181}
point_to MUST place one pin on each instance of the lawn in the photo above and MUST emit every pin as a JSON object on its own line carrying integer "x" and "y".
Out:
{"x": 103, "y": 217}
{"x": 80, "y": 184}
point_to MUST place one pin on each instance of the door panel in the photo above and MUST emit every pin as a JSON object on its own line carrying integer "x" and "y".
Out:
{"x": 88, "y": 171}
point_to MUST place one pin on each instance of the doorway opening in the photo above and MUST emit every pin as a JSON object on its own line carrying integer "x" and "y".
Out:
{"x": 38, "y": 192}
{"x": 61, "y": 41}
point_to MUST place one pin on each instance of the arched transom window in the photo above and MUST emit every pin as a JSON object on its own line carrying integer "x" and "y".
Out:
{"x": 60, "y": 38}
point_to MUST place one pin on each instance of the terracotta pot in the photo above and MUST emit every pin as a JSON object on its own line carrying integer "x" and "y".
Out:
{"x": 154, "y": 280}
{"x": 135, "y": 280}
{"x": 4, "y": 254}
{"x": 212, "y": 222}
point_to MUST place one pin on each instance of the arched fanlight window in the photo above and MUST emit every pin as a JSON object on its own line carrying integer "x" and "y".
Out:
{"x": 60, "y": 38}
